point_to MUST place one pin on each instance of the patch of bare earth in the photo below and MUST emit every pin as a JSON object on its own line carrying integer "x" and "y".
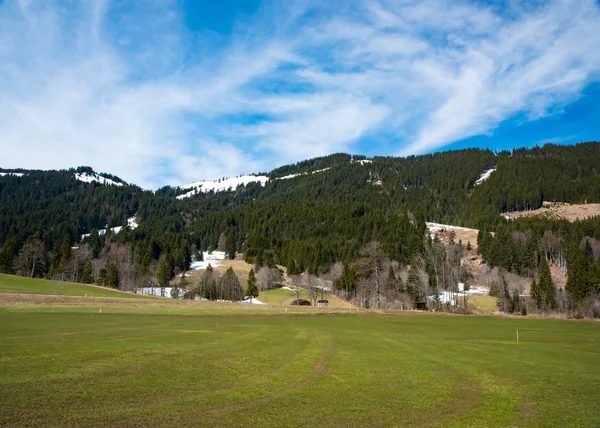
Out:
{"x": 560, "y": 211}
{"x": 444, "y": 231}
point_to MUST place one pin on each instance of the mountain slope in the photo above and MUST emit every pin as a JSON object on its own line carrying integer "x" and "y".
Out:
{"x": 305, "y": 216}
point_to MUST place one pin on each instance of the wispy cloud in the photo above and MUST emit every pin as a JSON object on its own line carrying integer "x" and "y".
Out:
{"x": 127, "y": 88}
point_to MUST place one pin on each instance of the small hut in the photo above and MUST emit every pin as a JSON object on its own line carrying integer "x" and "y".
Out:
{"x": 420, "y": 306}
{"x": 322, "y": 303}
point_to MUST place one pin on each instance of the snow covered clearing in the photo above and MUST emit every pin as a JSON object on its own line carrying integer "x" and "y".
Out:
{"x": 131, "y": 224}
{"x": 90, "y": 178}
{"x": 458, "y": 297}
{"x": 211, "y": 259}
{"x": 438, "y": 227}
{"x": 304, "y": 173}
{"x": 221, "y": 185}
{"x": 12, "y": 174}
{"x": 287, "y": 177}
{"x": 232, "y": 183}
{"x": 362, "y": 161}
{"x": 485, "y": 176}
{"x": 558, "y": 211}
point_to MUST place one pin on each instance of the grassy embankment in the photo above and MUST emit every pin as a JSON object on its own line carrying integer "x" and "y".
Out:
{"x": 19, "y": 284}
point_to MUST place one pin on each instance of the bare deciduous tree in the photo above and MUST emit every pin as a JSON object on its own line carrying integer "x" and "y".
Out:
{"x": 372, "y": 268}
{"x": 31, "y": 259}
{"x": 268, "y": 278}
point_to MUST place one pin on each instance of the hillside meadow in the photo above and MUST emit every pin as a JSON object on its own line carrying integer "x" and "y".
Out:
{"x": 19, "y": 284}
{"x": 149, "y": 366}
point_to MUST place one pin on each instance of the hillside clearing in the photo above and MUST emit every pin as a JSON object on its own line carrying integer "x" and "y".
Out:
{"x": 463, "y": 234}
{"x": 559, "y": 211}
{"x": 19, "y": 284}
{"x": 285, "y": 296}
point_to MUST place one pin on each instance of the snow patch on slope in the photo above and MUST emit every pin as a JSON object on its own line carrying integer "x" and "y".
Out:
{"x": 221, "y": 185}
{"x": 213, "y": 259}
{"x": 438, "y": 227}
{"x": 90, "y": 178}
{"x": 361, "y": 161}
{"x": 233, "y": 183}
{"x": 486, "y": 174}
{"x": 131, "y": 224}
{"x": 168, "y": 293}
{"x": 12, "y": 174}
{"x": 287, "y": 177}
{"x": 304, "y": 173}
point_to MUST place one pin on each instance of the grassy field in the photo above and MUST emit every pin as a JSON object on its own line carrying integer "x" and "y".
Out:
{"x": 482, "y": 304}
{"x": 156, "y": 306}
{"x": 284, "y": 296}
{"x": 76, "y": 367}
{"x": 21, "y": 284}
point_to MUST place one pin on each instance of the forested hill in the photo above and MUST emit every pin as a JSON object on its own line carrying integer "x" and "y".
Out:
{"x": 304, "y": 216}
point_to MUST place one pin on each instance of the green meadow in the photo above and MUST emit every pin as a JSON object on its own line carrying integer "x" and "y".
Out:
{"x": 19, "y": 284}
{"x": 79, "y": 367}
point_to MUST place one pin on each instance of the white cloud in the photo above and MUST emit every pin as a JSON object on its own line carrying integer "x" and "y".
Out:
{"x": 319, "y": 124}
{"x": 126, "y": 88}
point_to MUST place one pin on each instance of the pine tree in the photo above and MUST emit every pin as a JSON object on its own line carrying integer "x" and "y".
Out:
{"x": 588, "y": 252}
{"x": 231, "y": 248}
{"x": 413, "y": 284}
{"x": 86, "y": 275}
{"x": 112, "y": 275}
{"x": 536, "y": 295}
{"x": 230, "y": 287}
{"x": 546, "y": 286}
{"x": 578, "y": 278}
{"x": 184, "y": 258}
{"x": 292, "y": 268}
{"x": 252, "y": 288}
{"x": 65, "y": 256}
{"x": 165, "y": 272}
{"x": 102, "y": 273}
{"x": 515, "y": 301}
{"x": 503, "y": 300}
{"x": 208, "y": 286}
{"x": 7, "y": 255}
{"x": 347, "y": 280}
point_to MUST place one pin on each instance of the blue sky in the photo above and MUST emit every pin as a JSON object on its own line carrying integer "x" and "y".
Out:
{"x": 170, "y": 92}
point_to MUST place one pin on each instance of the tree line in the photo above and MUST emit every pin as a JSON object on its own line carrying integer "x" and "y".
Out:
{"x": 312, "y": 222}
